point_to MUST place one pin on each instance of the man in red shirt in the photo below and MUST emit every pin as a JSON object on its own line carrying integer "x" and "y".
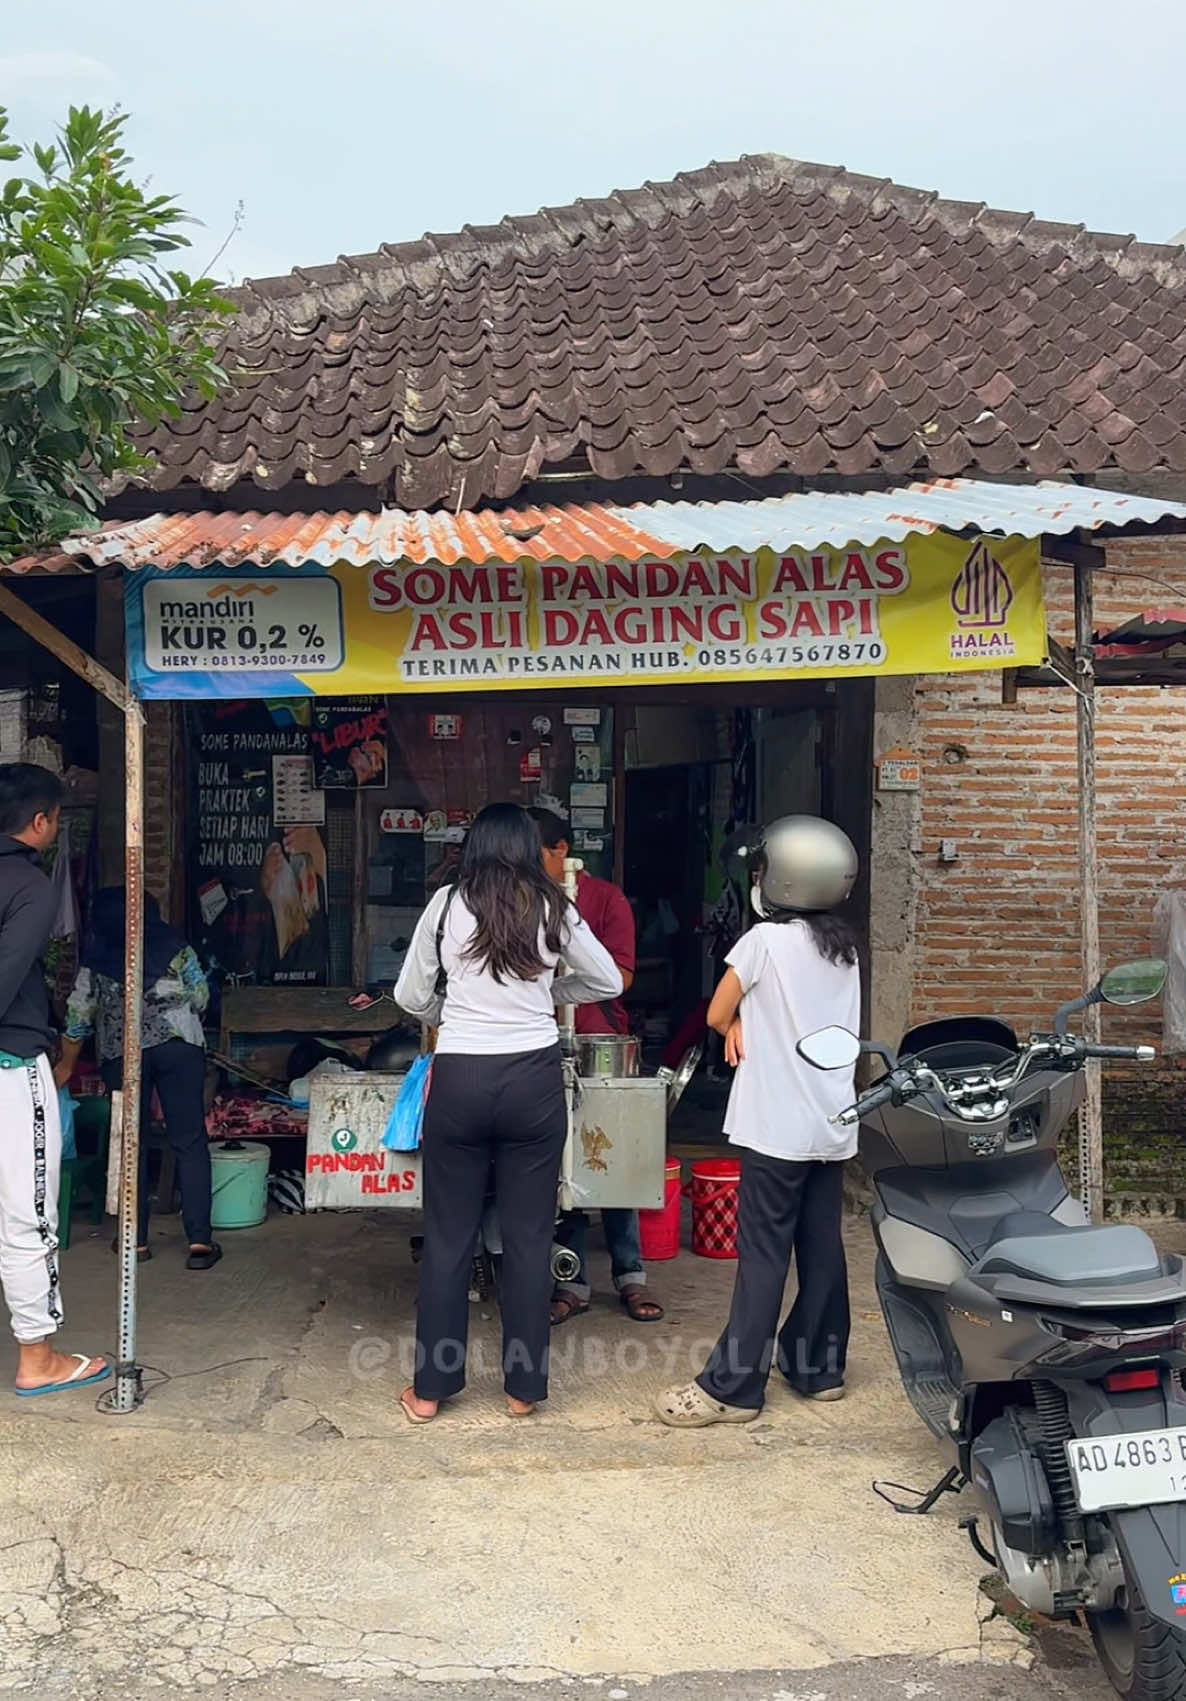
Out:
{"x": 605, "y": 908}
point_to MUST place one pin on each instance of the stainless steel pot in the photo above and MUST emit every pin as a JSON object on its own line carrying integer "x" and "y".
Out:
{"x": 612, "y": 1056}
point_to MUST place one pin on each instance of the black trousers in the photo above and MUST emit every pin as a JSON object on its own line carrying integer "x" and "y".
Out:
{"x": 506, "y": 1115}
{"x": 785, "y": 1208}
{"x": 177, "y": 1071}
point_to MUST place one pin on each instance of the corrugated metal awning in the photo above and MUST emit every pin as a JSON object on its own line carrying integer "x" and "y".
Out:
{"x": 602, "y": 532}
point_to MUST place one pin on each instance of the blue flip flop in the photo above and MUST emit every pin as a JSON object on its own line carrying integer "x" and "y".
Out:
{"x": 77, "y": 1380}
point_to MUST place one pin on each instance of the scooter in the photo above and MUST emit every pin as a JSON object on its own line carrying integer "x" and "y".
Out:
{"x": 1044, "y": 1352}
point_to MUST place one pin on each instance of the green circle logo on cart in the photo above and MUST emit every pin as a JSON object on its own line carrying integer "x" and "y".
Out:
{"x": 343, "y": 1139}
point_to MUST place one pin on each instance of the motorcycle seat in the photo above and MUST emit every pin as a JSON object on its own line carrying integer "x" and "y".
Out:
{"x": 1034, "y": 1246}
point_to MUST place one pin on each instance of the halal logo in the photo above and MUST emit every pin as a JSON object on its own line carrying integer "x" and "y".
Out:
{"x": 983, "y": 592}
{"x": 343, "y": 1139}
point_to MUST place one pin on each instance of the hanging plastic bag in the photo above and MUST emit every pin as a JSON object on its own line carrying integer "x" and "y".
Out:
{"x": 407, "y": 1114}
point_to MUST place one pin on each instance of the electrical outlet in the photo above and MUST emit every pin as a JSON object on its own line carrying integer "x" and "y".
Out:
{"x": 948, "y": 850}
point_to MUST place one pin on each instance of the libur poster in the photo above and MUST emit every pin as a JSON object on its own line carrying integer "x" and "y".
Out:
{"x": 260, "y": 862}
{"x": 349, "y": 741}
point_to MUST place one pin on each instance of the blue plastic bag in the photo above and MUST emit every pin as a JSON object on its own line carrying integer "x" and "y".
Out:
{"x": 407, "y": 1113}
{"x": 66, "y": 1108}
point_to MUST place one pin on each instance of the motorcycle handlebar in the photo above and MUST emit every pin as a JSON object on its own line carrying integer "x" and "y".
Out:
{"x": 1122, "y": 1053}
{"x": 866, "y": 1105}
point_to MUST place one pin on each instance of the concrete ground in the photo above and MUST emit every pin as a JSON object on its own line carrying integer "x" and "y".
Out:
{"x": 269, "y": 1525}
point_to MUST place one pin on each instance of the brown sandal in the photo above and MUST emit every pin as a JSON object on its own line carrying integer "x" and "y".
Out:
{"x": 410, "y": 1412}
{"x": 638, "y": 1307}
{"x": 566, "y": 1305}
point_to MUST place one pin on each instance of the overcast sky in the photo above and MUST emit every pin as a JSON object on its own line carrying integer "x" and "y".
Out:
{"x": 341, "y": 124}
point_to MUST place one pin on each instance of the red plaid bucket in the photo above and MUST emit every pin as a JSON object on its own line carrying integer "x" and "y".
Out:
{"x": 715, "y": 1189}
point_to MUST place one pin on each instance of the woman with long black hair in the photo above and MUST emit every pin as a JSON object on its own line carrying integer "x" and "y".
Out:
{"x": 793, "y": 973}
{"x": 482, "y": 967}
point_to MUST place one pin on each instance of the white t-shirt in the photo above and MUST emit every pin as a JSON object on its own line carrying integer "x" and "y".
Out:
{"x": 779, "y": 1104}
{"x": 481, "y": 1016}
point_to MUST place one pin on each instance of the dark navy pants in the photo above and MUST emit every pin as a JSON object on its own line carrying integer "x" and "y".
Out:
{"x": 500, "y": 1116}
{"x": 786, "y": 1209}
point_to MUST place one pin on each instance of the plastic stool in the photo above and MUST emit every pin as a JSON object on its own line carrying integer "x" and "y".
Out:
{"x": 89, "y": 1172}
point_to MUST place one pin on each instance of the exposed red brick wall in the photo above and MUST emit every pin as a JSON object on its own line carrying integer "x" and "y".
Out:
{"x": 999, "y": 929}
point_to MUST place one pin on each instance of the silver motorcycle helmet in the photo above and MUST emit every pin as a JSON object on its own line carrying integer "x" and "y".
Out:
{"x": 802, "y": 863}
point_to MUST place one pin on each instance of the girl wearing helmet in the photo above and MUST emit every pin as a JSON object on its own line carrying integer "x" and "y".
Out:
{"x": 792, "y": 973}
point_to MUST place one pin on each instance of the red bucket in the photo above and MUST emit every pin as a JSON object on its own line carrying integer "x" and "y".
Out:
{"x": 659, "y": 1230}
{"x": 716, "y": 1186}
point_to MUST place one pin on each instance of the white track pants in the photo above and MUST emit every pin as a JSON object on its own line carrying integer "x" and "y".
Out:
{"x": 30, "y": 1168}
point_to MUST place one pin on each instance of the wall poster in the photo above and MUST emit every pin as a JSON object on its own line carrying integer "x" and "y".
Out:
{"x": 258, "y": 877}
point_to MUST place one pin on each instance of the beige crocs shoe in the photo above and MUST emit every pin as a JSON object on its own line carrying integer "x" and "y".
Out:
{"x": 690, "y": 1407}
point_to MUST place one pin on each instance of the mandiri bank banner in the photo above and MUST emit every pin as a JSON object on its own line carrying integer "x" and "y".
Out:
{"x": 929, "y": 605}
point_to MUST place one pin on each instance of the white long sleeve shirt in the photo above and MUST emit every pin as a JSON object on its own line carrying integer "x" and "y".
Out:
{"x": 481, "y": 1016}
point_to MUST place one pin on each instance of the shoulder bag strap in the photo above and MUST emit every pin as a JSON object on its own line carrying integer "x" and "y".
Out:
{"x": 441, "y": 985}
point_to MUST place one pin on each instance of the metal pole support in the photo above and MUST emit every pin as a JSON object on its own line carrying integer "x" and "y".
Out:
{"x": 1091, "y": 1125}
{"x": 126, "y": 1394}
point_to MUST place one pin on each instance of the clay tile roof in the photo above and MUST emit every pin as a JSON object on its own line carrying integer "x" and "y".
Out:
{"x": 764, "y": 315}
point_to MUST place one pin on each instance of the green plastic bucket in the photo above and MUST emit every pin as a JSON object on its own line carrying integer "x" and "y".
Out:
{"x": 239, "y": 1177}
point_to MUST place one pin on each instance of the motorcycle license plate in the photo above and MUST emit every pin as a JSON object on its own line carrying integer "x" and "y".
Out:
{"x": 1112, "y": 1472}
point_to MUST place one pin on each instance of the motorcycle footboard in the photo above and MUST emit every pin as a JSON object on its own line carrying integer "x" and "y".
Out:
{"x": 919, "y": 1353}
{"x": 1152, "y": 1542}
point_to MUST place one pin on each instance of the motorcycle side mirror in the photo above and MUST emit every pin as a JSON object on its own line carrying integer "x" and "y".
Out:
{"x": 1133, "y": 983}
{"x": 830, "y": 1048}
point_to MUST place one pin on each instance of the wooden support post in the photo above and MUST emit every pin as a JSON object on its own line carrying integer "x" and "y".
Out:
{"x": 359, "y": 941}
{"x": 1091, "y": 1128}
{"x": 66, "y": 650}
{"x": 618, "y": 793}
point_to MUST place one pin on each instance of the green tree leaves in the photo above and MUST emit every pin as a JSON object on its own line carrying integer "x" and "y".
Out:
{"x": 97, "y": 331}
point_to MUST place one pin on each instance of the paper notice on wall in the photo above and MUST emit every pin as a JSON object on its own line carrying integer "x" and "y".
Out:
{"x": 582, "y": 717}
{"x": 590, "y": 819}
{"x": 584, "y": 735}
{"x": 587, "y": 762}
{"x": 585, "y": 796}
{"x": 401, "y": 821}
{"x": 588, "y": 841}
{"x": 295, "y": 800}
{"x": 12, "y": 726}
{"x": 212, "y": 900}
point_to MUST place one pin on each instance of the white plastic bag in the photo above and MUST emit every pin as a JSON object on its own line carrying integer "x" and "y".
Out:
{"x": 1169, "y": 941}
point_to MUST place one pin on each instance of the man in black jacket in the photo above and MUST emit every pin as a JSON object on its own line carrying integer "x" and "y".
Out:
{"x": 30, "y": 1129}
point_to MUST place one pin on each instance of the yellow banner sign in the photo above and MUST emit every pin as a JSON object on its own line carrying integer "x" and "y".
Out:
{"x": 929, "y": 605}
